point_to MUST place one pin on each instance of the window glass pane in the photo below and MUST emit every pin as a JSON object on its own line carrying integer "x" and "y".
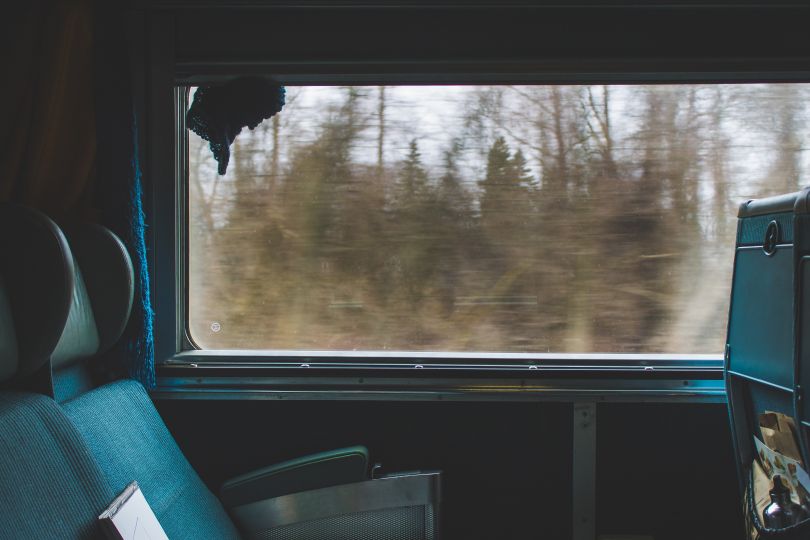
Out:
{"x": 486, "y": 218}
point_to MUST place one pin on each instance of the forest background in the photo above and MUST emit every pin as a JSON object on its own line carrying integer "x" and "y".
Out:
{"x": 486, "y": 218}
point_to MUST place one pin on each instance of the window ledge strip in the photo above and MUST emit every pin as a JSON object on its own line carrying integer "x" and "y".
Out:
{"x": 405, "y": 389}
{"x": 387, "y": 361}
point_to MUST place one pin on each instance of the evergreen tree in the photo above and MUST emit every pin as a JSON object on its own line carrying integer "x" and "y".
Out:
{"x": 413, "y": 178}
{"x": 415, "y": 227}
{"x": 506, "y": 207}
{"x": 456, "y": 238}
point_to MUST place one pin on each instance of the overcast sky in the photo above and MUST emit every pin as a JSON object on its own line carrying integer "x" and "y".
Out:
{"x": 434, "y": 115}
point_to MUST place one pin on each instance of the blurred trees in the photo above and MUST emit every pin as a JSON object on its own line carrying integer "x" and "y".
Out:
{"x": 558, "y": 218}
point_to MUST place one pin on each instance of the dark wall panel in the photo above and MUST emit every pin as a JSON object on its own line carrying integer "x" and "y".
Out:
{"x": 507, "y": 466}
{"x": 656, "y": 39}
{"x": 666, "y": 471}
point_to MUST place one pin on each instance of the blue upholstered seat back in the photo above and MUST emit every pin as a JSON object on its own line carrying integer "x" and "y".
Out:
{"x": 130, "y": 442}
{"x": 50, "y": 486}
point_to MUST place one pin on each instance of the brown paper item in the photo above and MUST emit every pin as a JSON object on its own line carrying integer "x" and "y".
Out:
{"x": 779, "y": 434}
{"x": 777, "y": 421}
{"x": 781, "y": 442}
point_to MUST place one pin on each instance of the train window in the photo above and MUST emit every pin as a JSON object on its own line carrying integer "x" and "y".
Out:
{"x": 476, "y": 219}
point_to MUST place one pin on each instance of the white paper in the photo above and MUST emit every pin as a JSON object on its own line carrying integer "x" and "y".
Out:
{"x": 134, "y": 519}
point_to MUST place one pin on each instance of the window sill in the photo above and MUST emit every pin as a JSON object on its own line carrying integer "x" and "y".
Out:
{"x": 429, "y": 377}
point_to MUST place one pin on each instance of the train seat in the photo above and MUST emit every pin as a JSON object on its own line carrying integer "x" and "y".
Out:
{"x": 304, "y": 498}
{"x": 50, "y": 484}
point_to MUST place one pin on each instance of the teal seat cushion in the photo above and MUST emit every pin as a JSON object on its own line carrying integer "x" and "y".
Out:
{"x": 129, "y": 440}
{"x": 50, "y": 486}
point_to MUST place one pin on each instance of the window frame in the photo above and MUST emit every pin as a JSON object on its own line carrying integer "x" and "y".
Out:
{"x": 193, "y": 373}
{"x": 696, "y": 376}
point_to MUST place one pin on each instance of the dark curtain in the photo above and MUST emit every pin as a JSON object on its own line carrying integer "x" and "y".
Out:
{"x": 69, "y": 136}
{"x": 48, "y": 119}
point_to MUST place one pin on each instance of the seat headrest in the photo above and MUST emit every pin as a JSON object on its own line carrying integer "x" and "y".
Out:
{"x": 8, "y": 340}
{"x": 38, "y": 275}
{"x": 103, "y": 292}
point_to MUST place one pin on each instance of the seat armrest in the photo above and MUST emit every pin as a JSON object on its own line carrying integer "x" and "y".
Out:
{"x": 405, "y": 506}
{"x": 343, "y": 466}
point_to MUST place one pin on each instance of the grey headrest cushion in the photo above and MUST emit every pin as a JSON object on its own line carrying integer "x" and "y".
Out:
{"x": 102, "y": 297}
{"x": 8, "y": 339}
{"x": 80, "y": 337}
{"x": 39, "y": 278}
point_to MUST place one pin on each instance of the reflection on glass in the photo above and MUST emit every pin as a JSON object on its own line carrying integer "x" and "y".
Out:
{"x": 486, "y": 218}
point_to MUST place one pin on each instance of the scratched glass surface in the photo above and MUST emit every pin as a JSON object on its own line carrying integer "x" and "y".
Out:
{"x": 528, "y": 219}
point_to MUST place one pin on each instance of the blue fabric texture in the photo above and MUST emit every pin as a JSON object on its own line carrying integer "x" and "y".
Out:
{"x": 119, "y": 189}
{"x": 141, "y": 344}
{"x": 129, "y": 440}
{"x": 50, "y": 486}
